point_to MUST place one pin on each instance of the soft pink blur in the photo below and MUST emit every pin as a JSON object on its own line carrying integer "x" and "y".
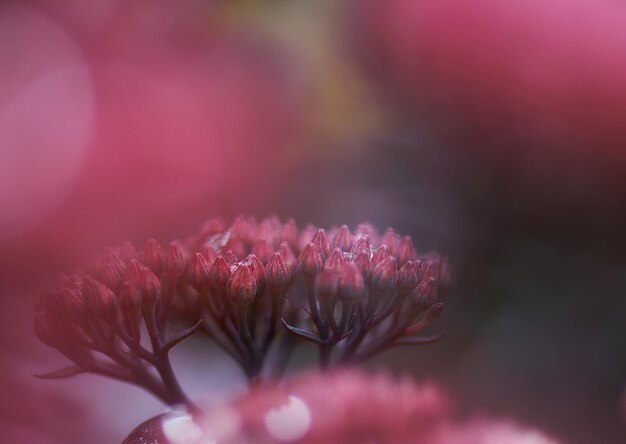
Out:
{"x": 118, "y": 120}
{"x": 148, "y": 112}
{"x": 346, "y": 407}
{"x": 545, "y": 72}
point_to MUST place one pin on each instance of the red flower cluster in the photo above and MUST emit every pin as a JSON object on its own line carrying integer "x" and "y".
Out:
{"x": 354, "y": 293}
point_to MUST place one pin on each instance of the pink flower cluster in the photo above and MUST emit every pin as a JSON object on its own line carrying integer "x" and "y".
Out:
{"x": 246, "y": 286}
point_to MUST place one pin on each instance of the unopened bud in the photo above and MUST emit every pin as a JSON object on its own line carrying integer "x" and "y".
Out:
{"x": 209, "y": 254}
{"x": 405, "y": 250}
{"x": 320, "y": 240}
{"x": 133, "y": 271}
{"x": 434, "y": 312}
{"x": 240, "y": 228}
{"x": 326, "y": 284}
{"x": 150, "y": 287}
{"x": 198, "y": 272}
{"x": 115, "y": 261}
{"x": 351, "y": 285}
{"x": 72, "y": 304}
{"x": 425, "y": 294}
{"x": 242, "y": 285}
{"x": 152, "y": 256}
{"x": 112, "y": 275}
{"x": 381, "y": 254}
{"x": 363, "y": 262}
{"x": 361, "y": 246}
{"x": 267, "y": 229}
{"x": 100, "y": 299}
{"x": 219, "y": 273}
{"x": 129, "y": 297}
{"x": 258, "y": 270}
{"x": 230, "y": 257}
{"x": 310, "y": 260}
{"x": 369, "y": 230}
{"x": 390, "y": 238}
{"x": 262, "y": 250}
{"x": 289, "y": 233}
{"x": 174, "y": 263}
{"x": 408, "y": 277}
{"x": 236, "y": 246}
{"x": 277, "y": 273}
{"x": 343, "y": 239}
{"x": 287, "y": 254}
{"x": 384, "y": 275}
{"x": 128, "y": 252}
{"x": 335, "y": 261}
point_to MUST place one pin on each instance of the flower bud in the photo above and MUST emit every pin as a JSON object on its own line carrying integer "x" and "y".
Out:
{"x": 150, "y": 287}
{"x": 361, "y": 246}
{"x": 128, "y": 252}
{"x": 240, "y": 228}
{"x": 115, "y": 261}
{"x": 425, "y": 294}
{"x": 391, "y": 239}
{"x": 129, "y": 297}
{"x": 133, "y": 271}
{"x": 287, "y": 255}
{"x": 219, "y": 274}
{"x": 213, "y": 226}
{"x": 381, "y": 254}
{"x": 112, "y": 275}
{"x": 262, "y": 250}
{"x": 434, "y": 312}
{"x": 72, "y": 304}
{"x": 351, "y": 285}
{"x": 326, "y": 285}
{"x": 367, "y": 229}
{"x": 236, "y": 246}
{"x": 152, "y": 256}
{"x": 384, "y": 276}
{"x": 310, "y": 260}
{"x": 277, "y": 273}
{"x": 408, "y": 277}
{"x": 209, "y": 254}
{"x": 320, "y": 240}
{"x": 343, "y": 239}
{"x": 289, "y": 233}
{"x": 335, "y": 261}
{"x": 174, "y": 262}
{"x": 198, "y": 273}
{"x": 267, "y": 229}
{"x": 242, "y": 285}
{"x": 99, "y": 298}
{"x": 306, "y": 236}
{"x": 258, "y": 270}
{"x": 230, "y": 257}
{"x": 430, "y": 268}
{"x": 405, "y": 250}
{"x": 363, "y": 262}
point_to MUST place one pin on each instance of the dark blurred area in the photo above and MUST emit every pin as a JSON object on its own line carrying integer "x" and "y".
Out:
{"x": 490, "y": 131}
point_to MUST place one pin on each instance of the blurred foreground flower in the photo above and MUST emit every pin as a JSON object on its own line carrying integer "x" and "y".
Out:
{"x": 342, "y": 407}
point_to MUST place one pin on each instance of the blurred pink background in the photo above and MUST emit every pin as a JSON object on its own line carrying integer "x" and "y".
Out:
{"x": 491, "y": 131}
